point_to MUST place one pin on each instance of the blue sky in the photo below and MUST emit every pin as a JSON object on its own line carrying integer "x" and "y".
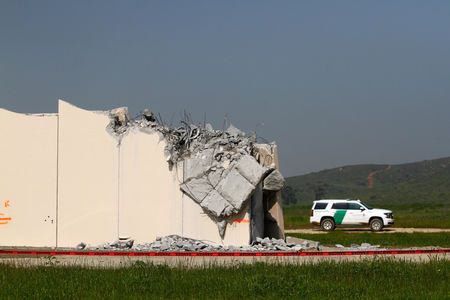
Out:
{"x": 333, "y": 82}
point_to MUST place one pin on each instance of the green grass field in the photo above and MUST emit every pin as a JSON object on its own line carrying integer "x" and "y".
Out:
{"x": 372, "y": 279}
{"x": 418, "y": 215}
{"x": 441, "y": 239}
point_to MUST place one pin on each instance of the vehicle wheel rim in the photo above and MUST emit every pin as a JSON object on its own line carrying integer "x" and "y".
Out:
{"x": 376, "y": 226}
{"x": 327, "y": 225}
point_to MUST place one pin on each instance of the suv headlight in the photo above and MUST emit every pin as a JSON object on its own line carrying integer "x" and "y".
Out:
{"x": 389, "y": 215}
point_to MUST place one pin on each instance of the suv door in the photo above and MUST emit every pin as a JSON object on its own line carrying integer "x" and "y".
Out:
{"x": 340, "y": 212}
{"x": 356, "y": 214}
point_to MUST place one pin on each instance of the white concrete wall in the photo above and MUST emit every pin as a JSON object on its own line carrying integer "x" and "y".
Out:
{"x": 27, "y": 179}
{"x": 88, "y": 178}
{"x": 150, "y": 197}
{"x": 65, "y": 180}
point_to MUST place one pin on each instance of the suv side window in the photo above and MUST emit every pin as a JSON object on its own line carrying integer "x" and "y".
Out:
{"x": 354, "y": 206}
{"x": 340, "y": 205}
{"x": 320, "y": 205}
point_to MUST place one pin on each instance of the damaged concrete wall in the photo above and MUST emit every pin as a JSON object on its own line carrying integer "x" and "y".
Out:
{"x": 120, "y": 177}
{"x": 28, "y": 179}
{"x": 88, "y": 177}
{"x": 267, "y": 155}
{"x": 150, "y": 202}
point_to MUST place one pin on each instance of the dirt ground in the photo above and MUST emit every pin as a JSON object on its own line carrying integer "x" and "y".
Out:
{"x": 361, "y": 230}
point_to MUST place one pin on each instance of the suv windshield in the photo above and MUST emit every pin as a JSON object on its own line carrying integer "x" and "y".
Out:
{"x": 367, "y": 206}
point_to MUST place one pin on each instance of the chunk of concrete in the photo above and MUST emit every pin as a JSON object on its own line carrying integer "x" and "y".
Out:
{"x": 274, "y": 181}
{"x": 264, "y": 154}
{"x": 197, "y": 188}
{"x": 235, "y": 132}
{"x": 248, "y": 167}
{"x": 222, "y": 226}
{"x": 215, "y": 204}
{"x": 235, "y": 189}
{"x": 209, "y": 127}
{"x": 81, "y": 246}
{"x": 306, "y": 244}
{"x": 215, "y": 177}
{"x": 199, "y": 164}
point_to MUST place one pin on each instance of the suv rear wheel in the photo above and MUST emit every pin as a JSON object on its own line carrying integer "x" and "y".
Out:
{"x": 376, "y": 224}
{"x": 328, "y": 224}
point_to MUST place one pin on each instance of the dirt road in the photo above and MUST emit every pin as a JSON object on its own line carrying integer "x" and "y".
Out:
{"x": 362, "y": 230}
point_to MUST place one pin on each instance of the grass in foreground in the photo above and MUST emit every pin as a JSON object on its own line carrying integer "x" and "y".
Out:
{"x": 418, "y": 215}
{"x": 358, "y": 280}
{"x": 441, "y": 239}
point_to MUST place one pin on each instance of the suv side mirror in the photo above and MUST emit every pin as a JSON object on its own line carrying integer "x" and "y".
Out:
{"x": 362, "y": 208}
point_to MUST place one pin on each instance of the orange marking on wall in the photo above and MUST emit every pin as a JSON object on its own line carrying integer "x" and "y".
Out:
{"x": 6, "y": 203}
{"x": 242, "y": 221}
{"x": 4, "y": 220}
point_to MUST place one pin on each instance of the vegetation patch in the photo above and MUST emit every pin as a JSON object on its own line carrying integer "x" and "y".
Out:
{"x": 358, "y": 280}
{"x": 440, "y": 239}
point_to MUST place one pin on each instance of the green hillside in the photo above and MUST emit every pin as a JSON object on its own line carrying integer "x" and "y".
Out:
{"x": 413, "y": 183}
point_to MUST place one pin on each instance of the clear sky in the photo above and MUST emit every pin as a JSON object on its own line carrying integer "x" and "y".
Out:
{"x": 333, "y": 82}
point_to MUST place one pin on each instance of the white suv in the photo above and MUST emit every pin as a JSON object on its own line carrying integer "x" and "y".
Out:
{"x": 329, "y": 213}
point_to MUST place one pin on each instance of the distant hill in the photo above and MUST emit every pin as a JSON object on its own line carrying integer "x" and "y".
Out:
{"x": 425, "y": 181}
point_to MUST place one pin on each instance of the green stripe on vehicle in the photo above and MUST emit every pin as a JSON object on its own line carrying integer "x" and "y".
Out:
{"x": 339, "y": 216}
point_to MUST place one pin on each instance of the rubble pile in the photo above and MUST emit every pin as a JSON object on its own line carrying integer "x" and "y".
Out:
{"x": 363, "y": 246}
{"x": 175, "y": 243}
{"x": 220, "y": 172}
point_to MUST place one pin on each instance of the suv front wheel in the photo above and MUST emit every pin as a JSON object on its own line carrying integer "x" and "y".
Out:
{"x": 328, "y": 224}
{"x": 376, "y": 224}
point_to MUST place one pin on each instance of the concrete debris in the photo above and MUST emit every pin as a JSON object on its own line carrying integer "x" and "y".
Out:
{"x": 175, "y": 243}
{"x": 81, "y": 246}
{"x": 148, "y": 115}
{"x": 264, "y": 155}
{"x": 235, "y": 132}
{"x": 251, "y": 169}
{"x": 119, "y": 121}
{"x": 220, "y": 171}
{"x": 305, "y": 243}
{"x": 221, "y": 190}
{"x": 122, "y": 244}
{"x": 274, "y": 181}
{"x": 363, "y": 246}
{"x": 235, "y": 189}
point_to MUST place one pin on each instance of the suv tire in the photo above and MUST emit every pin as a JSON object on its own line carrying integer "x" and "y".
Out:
{"x": 376, "y": 224}
{"x": 327, "y": 224}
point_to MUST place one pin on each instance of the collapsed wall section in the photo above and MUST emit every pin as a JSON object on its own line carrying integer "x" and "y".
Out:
{"x": 151, "y": 203}
{"x": 88, "y": 165}
{"x": 28, "y": 177}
